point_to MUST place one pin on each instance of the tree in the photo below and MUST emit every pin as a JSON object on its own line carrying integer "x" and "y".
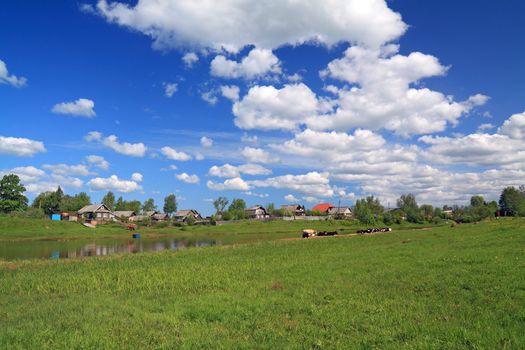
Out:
{"x": 170, "y": 204}
{"x": 427, "y": 211}
{"x": 237, "y": 208}
{"x": 74, "y": 203}
{"x": 109, "y": 200}
{"x": 220, "y": 203}
{"x": 120, "y": 205}
{"x": 477, "y": 201}
{"x": 50, "y": 202}
{"x": 363, "y": 213}
{"x": 132, "y": 206}
{"x": 512, "y": 201}
{"x": 374, "y": 205}
{"x": 11, "y": 194}
{"x": 408, "y": 204}
{"x": 149, "y": 205}
{"x": 270, "y": 208}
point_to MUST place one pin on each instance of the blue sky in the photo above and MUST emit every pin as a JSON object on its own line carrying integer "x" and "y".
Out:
{"x": 331, "y": 103}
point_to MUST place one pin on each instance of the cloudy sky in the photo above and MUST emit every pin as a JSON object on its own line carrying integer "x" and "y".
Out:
{"x": 271, "y": 101}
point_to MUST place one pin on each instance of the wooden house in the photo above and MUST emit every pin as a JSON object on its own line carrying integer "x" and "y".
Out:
{"x": 125, "y": 214}
{"x": 344, "y": 212}
{"x": 294, "y": 209}
{"x": 98, "y": 212}
{"x": 256, "y": 212}
{"x": 187, "y": 214}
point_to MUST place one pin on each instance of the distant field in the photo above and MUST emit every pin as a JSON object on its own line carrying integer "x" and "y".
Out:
{"x": 246, "y": 231}
{"x": 459, "y": 287}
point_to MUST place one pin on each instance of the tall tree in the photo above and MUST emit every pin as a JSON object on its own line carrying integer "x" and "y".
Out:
{"x": 120, "y": 205}
{"x": 477, "y": 201}
{"x": 237, "y": 204}
{"x": 363, "y": 213}
{"x": 132, "y": 206}
{"x": 512, "y": 201}
{"x": 11, "y": 194}
{"x": 149, "y": 205}
{"x": 407, "y": 203}
{"x": 219, "y": 204}
{"x": 170, "y": 204}
{"x": 109, "y": 200}
{"x": 375, "y": 206}
{"x": 76, "y": 202}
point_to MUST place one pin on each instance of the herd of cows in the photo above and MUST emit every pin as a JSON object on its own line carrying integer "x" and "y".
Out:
{"x": 313, "y": 233}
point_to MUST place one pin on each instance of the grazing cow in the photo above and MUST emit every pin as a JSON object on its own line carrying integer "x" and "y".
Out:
{"x": 309, "y": 233}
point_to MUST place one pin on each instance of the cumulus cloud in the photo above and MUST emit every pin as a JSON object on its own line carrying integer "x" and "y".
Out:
{"x": 258, "y": 155}
{"x": 19, "y": 146}
{"x": 126, "y": 148}
{"x": 228, "y": 170}
{"x": 231, "y": 92}
{"x": 514, "y": 127}
{"x": 234, "y": 184}
{"x": 206, "y": 142}
{"x": 68, "y": 170}
{"x": 170, "y": 89}
{"x": 267, "y": 108}
{"x": 37, "y": 180}
{"x": 259, "y": 195}
{"x": 312, "y": 183}
{"x": 382, "y": 96}
{"x": 173, "y": 154}
{"x": 190, "y": 179}
{"x": 98, "y": 161}
{"x": 258, "y": 63}
{"x": 209, "y": 97}
{"x": 189, "y": 59}
{"x": 233, "y": 24}
{"x": 113, "y": 183}
{"x": 6, "y": 78}
{"x": 291, "y": 198}
{"x": 82, "y": 107}
{"x": 137, "y": 177}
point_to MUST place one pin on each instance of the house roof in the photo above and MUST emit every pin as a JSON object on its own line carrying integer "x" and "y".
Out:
{"x": 94, "y": 208}
{"x": 340, "y": 210}
{"x": 323, "y": 207}
{"x": 292, "y": 207}
{"x": 186, "y": 212}
{"x": 150, "y": 213}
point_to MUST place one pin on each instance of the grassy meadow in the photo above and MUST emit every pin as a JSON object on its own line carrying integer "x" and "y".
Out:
{"x": 445, "y": 287}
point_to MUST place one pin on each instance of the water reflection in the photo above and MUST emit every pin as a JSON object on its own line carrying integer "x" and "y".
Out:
{"x": 82, "y": 248}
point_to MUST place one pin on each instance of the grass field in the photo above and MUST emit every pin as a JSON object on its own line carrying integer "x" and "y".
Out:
{"x": 441, "y": 288}
{"x": 13, "y": 229}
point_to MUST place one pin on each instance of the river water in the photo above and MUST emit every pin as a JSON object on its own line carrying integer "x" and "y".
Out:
{"x": 92, "y": 247}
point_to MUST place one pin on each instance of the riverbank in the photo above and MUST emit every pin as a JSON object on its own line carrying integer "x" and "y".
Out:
{"x": 446, "y": 287}
{"x": 17, "y": 229}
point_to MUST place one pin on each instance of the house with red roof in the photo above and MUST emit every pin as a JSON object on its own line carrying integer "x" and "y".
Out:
{"x": 323, "y": 207}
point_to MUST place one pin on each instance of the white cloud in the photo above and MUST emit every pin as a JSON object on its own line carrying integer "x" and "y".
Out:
{"x": 190, "y": 179}
{"x": 98, "y": 161}
{"x": 249, "y": 139}
{"x": 19, "y": 146}
{"x": 311, "y": 199}
{"x": 382, "y": 97}
{"x": 233, "y": 24}
{"x": 291, "y": 198}
{"x": 228, "y": 170}
{"x": 258, "y": 155}
{"x": 312, "y": 183}
{"x": 266, "y": 108}
{"x": 485, "y": 126}
{"x": 514, "y": 127}
{"x": 170, "y": 89}
{"x": 82, "y": 107}
{"x": 113, "y": 183}
{"x": 36, "y": 180}
{"x": 6, "y": 78}
{"x": 259, "y": 195}
{"x": 206, "y": 142}
{"x": 173, "y": 154}
{"x": 231, "y": 92}
{"x": 199, "y": 156}
{"x": 137, "y": 177}
{"x": 189, "y": 59}
{"x": 234, "y": 184}
{"x": 258, "y": 63}
{"x": 64, "y": 169}
{"x": 126, "y": 148}
{"x": 209, "y": 96}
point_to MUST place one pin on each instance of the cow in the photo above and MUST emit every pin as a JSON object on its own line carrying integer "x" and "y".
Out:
{"x": 309, "y": 233}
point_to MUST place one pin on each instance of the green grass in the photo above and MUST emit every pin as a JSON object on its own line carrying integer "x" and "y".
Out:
{"x": 441, "y": 288}
{"x": 13, "y": 229}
